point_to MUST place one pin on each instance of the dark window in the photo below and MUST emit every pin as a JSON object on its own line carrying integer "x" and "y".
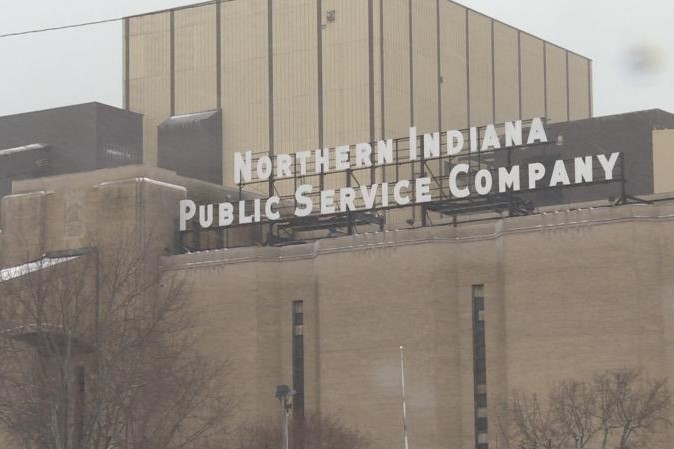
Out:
{"x": 298, "y": 359}
{"x": 479, "y": 368}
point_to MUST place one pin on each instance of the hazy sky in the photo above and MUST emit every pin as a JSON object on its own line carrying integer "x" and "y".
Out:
{"x": 630, "y": 42}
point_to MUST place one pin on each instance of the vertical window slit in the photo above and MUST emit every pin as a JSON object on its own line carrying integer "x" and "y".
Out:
{"x": 480, "y": 369}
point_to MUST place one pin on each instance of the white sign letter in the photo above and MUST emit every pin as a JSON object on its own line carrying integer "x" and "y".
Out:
{"x": 583, "y": 169}
{"x": 397, "y": 196}
{"x": 454, "y": 142}
{"x": 328, "y": 201}
{"x": 342, "y": 157}
{"x": 509, "y": 179}
{"x": 490, "y": 139}
{"x": 322, "y": 160}
{"x": 270, "y": 214}
{"x": 243, "y": 167}
{"x": 363, "y": 155}
{"x": 369, "y": 195}
{"x": 243, "y": 218}
{"x": 559, "y": 174}
{"x": 302, "y": 157}
{"x": 537, "y": 132}
{"x": 187, "y": 211}
{"x": 225, "y": 214}
{"x": 483, "y": 182}
{"x": 264, "y": 167}
{"x": 431, "y": 145}
{"x": 453, "y": 186}
{"x": 423, "y": 190}
{"x": 473, "y": 140}
{"x": 413, "y": 143}
{"x": 513, "y": 133}
{"x": 608, "y": 165}
{"x": 283, "y": 163}
{"x": 303, "y": 199}
{"x": 384, "y": 152}
{"x": 346, "y": 196}
{"x": 536, "y": 173}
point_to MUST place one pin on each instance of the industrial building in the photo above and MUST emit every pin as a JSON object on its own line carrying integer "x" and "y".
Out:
{"x": 291, "y": 75}
{"x": 488, "y": 295}
{"x": 67, "y": 140}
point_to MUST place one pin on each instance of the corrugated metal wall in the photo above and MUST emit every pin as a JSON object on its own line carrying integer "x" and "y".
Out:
{"x": 149, "y": 75}
{"x": 195, "y": 60}
{"x": 294, "y": 71}
{"x": 556, "y": 87}
{"x": 532, "y": 53}
{"x": 290, "y": 80}
{"x": 396, "y": 42}
{"x": 579, "y": 86}
{"x": 424, "y": 65}
{"x": 506, "y": 73}
{"x": 454, "y": 91}
{"x": 244, "y": 79}
{"x": 480, "y": 69}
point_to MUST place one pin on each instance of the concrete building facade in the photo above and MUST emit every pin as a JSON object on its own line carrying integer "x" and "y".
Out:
{"x": 578, "y": 284}
{"x": 564, "y": 293}
{"x": 67, "y": 139}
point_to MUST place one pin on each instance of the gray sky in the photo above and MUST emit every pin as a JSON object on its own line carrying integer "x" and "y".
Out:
{"x": 631, "y": 43}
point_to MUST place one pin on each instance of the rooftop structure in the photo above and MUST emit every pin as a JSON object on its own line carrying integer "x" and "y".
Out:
{"x": 295, "y": 75}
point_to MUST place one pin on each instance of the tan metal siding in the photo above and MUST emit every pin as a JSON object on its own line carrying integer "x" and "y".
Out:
{"x": 378, "y": 42}
{"x": 663, "y": 160}
{"x": 245, "y": 99}
{"x": 195, "y": 60}
{"x": 480, "y": 76}
{"x": 533, "y": 74}
{"x": 295, "y": 80}
{"x": 396, "y": 68}
{"x": 346, "y": 80}
{"x": 346, "y": 89}
{"x": 556, "y": 83}
{"x": 424, "y": 41}
{"x": 453, "y": 66}
{"x": 150, "y": 76}
{"x": 506, "y": 70}
{"x": 579, "y": 87}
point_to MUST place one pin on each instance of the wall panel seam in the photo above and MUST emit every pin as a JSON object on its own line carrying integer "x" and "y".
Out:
{"x": 172, "y": 63}
{"x": 270, "y": 77}
{"x": 218, "y": 55}
{"x": 127, "y": 68}
{"x": 467, "y": 68}
{"x": 519, "y": 72}
{"x": 411, "y": 62}
{"x": 439, "y": 62}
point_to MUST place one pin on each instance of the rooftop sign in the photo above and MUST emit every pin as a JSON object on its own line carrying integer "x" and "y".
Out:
{"x": 463, "y": 179}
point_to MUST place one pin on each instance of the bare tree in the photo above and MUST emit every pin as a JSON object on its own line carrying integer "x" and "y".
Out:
{"x": 638, "y": 406}
{"x": 317, "y": 433}
{"x": 572, "y": 406}
{"x": 97, "y": 351}
{"x": 535, "y": 426}
{"x": 621, "y": 409}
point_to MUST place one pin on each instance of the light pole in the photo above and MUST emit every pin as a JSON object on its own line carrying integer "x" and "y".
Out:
{"x": 404, "y": 399}
{"x": 283, "y": 394}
